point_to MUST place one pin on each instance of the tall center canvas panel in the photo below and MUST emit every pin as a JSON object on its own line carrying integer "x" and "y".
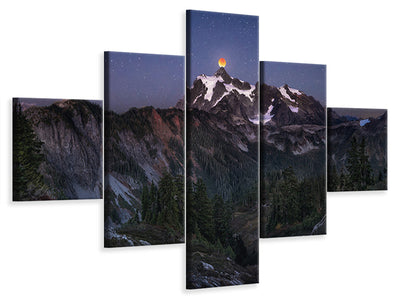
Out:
{"x": 222, "y": 149}
{"x": 144, "y": 158}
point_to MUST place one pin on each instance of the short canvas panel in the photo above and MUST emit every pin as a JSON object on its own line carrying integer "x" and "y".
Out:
{"x": 57, "y": 149}
{"x": 222, "y": 149}
{"x": 144, "y": 158}
{"x": 357, "y": 149}
{"x": 293, "y": 149}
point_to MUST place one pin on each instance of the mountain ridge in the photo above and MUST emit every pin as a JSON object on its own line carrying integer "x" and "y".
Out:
{"x": 71, "y": 134}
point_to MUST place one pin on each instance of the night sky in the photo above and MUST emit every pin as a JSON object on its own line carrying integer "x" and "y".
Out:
{"x": 308, "y": 78}
{"x": 138, "y": 80}
{"x": 361, "y": 113}
{"x": 211, "y": 36}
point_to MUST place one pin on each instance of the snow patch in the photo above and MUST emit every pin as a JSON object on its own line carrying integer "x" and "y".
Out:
{"x": 196, "y": 98}
{"x": 294, "y": 108}
{"x": 229, "y": 88}
{"x": 255, "y": 120}
{"x": 294, "y": 91}
{"x": 267, "y": 116}
{"x": 285, "y": 94}
{"x": 211, "y": 81}
{"x": 365, "y": 121}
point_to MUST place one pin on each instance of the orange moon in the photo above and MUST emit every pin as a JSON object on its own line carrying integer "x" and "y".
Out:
{"x": 222, "y": 62}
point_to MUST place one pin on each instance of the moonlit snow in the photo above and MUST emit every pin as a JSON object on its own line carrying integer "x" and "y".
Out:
{"x": 365, "y": 121}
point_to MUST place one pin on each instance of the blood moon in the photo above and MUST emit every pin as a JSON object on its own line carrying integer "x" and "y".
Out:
{"x": 222, "y": 62}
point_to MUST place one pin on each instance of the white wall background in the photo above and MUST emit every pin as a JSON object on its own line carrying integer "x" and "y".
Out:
{"x": 53, "y": 250}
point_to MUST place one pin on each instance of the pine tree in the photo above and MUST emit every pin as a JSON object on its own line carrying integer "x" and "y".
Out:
{"x": 191, "y": 214}
{"x": 153, "y": 203}
{"x": 204, "y": 211}
{"x": 28, "y": 183}
{"x": 333, "y": 179}
{"x": 169, "y": 212}
{"x": 365, "y": 166}
{"x": 358, "y": 167}
{"x": 180, "y": 198}
{"x": 221, "y": 220}
{"x": 353, "y": 167}
{"x": 290, "y": 193}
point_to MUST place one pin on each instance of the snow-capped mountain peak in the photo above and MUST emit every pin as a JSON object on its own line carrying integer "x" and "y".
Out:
{"x": 208, "y": 91}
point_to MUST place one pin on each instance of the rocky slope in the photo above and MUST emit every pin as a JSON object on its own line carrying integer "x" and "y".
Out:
{"x": 71, "y": 132}
{"x": 141, "y": 144}
{"x": 292, "y": 121}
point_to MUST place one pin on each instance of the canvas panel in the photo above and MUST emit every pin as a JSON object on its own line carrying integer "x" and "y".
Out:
{"x": 357, "y": 149}
{"x": 222, "y": 149}
{"x": 293, "y": 149}
{"x": 57, "y": 149}
{"x": 144, "y": 158}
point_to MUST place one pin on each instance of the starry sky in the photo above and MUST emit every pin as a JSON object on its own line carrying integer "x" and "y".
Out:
{"x": 138, "y": 80}
{"x": 211, "y": 36}
{"x": 361, "y": 113}
{"x": 309, "y": 78}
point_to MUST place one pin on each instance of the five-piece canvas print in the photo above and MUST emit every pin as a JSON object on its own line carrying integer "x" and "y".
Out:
{"x": 222, "y": 150}
{"x": 144, "y": 159}
{"x": 357, "y": 149}
{"x": 57, "y": 149}
{"x": 293, "y": 147}
{"x": 261, "y": 149}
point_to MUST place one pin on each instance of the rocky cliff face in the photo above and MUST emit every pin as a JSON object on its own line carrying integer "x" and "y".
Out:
{"x": 141, "y": 144}
{"x": 71, "y": 132}
{"x": 292, "y": 121}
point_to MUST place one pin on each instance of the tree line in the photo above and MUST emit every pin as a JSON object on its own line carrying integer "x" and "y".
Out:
{"x": 209, "y": 217}
{"x": 294, "y": 204}
{"x": 209, "y": 224}
{"x": 357, "y": 175}
{"x": 164, "y": 205}
{"x": 28, "y": 182}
